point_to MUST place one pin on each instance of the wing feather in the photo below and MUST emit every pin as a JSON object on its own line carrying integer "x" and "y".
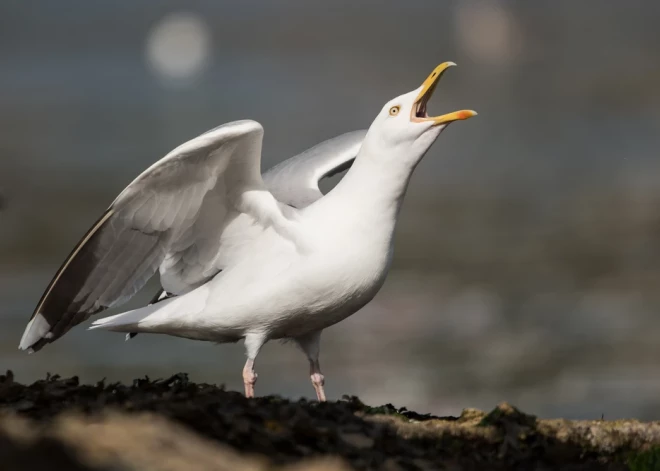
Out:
{"x": 296, "y": 181}
{"x": 131, "y": 240}
{"x": 174, "y": 217}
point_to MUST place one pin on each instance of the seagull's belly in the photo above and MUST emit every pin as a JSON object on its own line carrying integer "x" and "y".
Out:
{"x": 293, "y": 307}
{"x": 294, "y": 294}
{"x": 328, "y": 290}
{"x": 303, "y": 321}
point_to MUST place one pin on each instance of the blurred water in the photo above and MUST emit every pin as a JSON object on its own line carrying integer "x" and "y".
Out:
{"x": 527, "y": 259}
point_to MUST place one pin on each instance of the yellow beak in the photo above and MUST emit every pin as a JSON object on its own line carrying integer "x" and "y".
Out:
{"x": 418, "y": 112}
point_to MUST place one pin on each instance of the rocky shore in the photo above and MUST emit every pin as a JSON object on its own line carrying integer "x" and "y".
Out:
{"x": 175, "y": 424}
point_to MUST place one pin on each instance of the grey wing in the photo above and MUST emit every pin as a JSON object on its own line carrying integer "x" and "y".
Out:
{"x": 145, "y": 224}
{"x": 296, "y": 181}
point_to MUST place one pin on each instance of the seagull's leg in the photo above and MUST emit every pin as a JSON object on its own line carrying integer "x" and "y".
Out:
{"x": 253, "y": 343}
{"x": 310, "y": 344}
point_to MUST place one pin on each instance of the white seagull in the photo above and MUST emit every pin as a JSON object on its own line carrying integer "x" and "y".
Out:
{"x": 246, "y": 256}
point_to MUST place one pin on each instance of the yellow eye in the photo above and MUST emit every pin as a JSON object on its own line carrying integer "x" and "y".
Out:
{"x": 394, "y": 110}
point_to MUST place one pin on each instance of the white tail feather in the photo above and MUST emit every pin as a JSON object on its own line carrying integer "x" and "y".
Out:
{"x": 130, "y": 320}
{"x": 154, "y": 317}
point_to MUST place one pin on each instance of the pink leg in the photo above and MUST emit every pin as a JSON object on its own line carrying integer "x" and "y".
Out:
{"x": 310, "y": 344}
{"x": 253, "y": 343}
{"x": 318, "y": 380}
{"x": 249, "y": 378}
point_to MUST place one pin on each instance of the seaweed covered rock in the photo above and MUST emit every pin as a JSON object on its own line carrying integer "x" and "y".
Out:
{"x": 176, "y": 424}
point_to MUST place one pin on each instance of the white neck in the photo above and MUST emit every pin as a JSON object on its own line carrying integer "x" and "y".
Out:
{"x": 374, "y": 184}
{"x": 370, "y": 195}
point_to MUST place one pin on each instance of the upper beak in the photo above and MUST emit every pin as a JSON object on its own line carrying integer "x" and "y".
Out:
{"x": 418, "y": 112}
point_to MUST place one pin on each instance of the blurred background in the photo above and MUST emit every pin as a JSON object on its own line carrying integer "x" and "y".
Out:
{"x": 527, "y": 262}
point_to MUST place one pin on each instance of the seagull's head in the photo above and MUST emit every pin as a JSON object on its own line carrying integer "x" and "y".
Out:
{"x": 404, "y": 130}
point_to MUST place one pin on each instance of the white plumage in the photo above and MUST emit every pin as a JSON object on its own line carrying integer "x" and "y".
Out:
{"x": 248, "y": 257}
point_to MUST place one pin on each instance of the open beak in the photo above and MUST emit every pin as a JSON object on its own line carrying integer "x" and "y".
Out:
{"x": 418, "y": 112}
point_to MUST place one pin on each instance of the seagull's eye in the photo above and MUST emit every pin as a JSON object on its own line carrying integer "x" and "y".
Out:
{"x": 394, "y": 110}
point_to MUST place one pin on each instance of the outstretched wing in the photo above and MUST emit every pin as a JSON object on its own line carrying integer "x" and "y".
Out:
{"x": 296, "y": 180}
{"x": 162, "y": 218}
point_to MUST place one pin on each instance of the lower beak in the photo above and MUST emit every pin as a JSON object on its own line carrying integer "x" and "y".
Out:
{"x": 428, "y": 87}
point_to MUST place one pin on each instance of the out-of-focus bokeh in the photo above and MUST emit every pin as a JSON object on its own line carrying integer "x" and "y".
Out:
{"x": 527, "y": 262}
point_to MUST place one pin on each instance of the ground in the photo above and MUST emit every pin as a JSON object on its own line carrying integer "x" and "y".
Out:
{"x": 175, "y": 424}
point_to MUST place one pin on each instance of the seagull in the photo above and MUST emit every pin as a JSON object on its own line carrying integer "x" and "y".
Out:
{"x": 243, "y": 255}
